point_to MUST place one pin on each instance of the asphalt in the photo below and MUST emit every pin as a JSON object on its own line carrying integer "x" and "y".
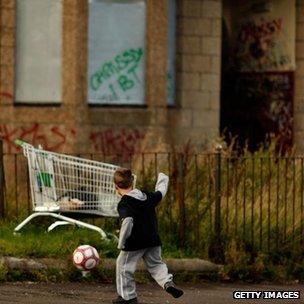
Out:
{"x": 89, "y": 293}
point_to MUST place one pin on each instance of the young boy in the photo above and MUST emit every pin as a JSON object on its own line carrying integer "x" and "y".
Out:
{"x": 139, "y": 237}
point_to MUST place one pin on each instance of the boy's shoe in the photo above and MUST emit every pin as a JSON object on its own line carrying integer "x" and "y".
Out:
{"x": 171, "y": 288}
{"x": 120, "y": 300}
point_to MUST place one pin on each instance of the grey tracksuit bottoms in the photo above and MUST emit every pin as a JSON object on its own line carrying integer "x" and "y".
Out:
{"x": 126, "y": 266}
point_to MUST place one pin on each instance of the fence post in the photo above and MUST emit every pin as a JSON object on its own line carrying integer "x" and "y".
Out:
{"x": 216, "y": 251}
{"x": 217, "y": 219}
{"x": 181, "y": 202}
{"x": 2, "y": 185}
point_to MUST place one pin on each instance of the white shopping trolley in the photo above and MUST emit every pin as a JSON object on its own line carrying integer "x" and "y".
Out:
{"x": 63, "y": 186}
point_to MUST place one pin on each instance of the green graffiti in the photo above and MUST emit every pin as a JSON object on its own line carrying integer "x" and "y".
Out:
{"x": 127, "y": 60}
{"x": 125, "y": 83}
{"x": 114, "y": 95}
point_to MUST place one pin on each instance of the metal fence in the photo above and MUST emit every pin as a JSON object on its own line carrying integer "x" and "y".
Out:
{"x": 213, "y": 199}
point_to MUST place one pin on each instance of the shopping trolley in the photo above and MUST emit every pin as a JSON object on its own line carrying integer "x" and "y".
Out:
{"x": 63, "y": 186}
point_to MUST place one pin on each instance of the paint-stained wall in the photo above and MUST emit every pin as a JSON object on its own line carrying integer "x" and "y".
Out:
{"x": 76, "y": 127}
{"x": 263, "y": 36}
{"x": 258, "y": 71}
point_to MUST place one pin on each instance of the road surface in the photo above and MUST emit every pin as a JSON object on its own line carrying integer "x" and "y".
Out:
{"x": 89, "y": 293}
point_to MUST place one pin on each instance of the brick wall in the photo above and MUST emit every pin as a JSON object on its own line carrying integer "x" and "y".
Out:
{"x": 198, "y": 69}
{"x": 299, "y": 79}
{"x": 75, "y": 127}
{"x": 7, "y": 42}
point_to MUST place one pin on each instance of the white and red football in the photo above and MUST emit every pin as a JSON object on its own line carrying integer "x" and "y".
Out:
{"x": 85, "y": 257}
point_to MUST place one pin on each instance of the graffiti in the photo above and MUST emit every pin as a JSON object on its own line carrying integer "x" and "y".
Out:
{"x": 115, "y": 66}
{"x": 6, "y": 94}
{"x": 123, "y": 142}
{"x": 261, "y": 46}
{"x": 51, "y": 138}
{"x": 250, "y": 31}
{"x": 117, "y": 76}
{"x": 8, "y": 137}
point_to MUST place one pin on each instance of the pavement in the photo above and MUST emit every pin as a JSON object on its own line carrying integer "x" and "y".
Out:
{"x": 89, "y": 293}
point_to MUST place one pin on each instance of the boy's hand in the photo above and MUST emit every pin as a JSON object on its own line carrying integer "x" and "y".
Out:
{"x": 162, "y": 184}
{"x": 120, "y": 247}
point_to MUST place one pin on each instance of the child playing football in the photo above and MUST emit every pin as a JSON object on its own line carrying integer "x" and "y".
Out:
{"x": 139, "y": 237}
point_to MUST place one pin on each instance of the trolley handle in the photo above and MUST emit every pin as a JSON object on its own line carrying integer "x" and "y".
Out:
{"x": 24, "y": 145}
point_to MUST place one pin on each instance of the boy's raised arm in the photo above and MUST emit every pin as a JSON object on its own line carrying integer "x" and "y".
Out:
{"x": 162, "y": 184}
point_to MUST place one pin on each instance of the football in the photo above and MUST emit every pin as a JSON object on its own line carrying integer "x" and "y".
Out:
{"x": 85, "y": 257}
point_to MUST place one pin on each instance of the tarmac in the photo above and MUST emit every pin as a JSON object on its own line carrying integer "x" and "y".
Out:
{"x": 92, "y": 292}
{"x": 89, "y": 293}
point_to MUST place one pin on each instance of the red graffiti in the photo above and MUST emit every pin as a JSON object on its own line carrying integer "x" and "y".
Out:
{"x": 258, "y": 45}
{"x": 6, "y": 94}
{"x": 250, "y": 31}
{"x": 8, "y": 137}
{"x": 31, "y": 135}
{"x": 51, "y": 138}
{"x": 122, "y": 142}
{"x": 73, "y": 131}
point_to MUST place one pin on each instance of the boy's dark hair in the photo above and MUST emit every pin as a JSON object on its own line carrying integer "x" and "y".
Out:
{"x": 123, "y": 178}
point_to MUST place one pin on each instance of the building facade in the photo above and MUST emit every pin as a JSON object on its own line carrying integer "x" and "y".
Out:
{"x": 93, "y": 76}
{"x": 57, "y": 107}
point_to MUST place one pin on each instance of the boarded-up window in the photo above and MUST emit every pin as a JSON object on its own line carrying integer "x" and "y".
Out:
{"x": 171, "y": 52}
{"x": 38, "y": 51}
{"x": 116, "y": 50}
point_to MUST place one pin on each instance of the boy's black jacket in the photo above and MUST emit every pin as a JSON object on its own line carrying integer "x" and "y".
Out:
{"x": 145, "y": 231}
